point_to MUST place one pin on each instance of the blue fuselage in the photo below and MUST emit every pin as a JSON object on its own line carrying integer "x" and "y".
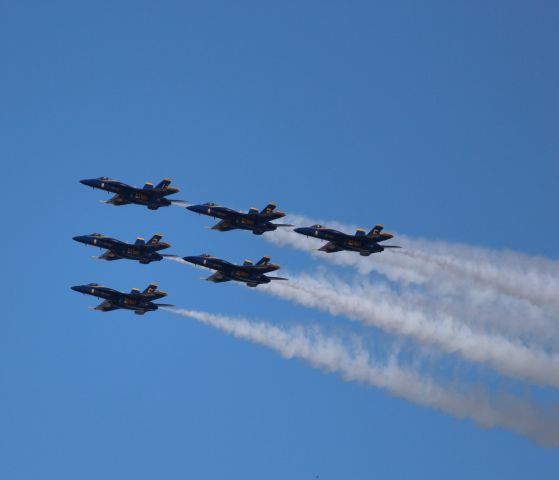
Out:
{"x": 142, "y": 253}
{"x": 253, "y": 274}
{"x": 256, "y": 222}
{"x": 356, "y": 243}
{"x": 127, "y": 301}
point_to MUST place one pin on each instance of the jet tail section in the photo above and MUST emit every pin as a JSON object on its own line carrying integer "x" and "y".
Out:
{"x": 263, "y": 261}
{"x": 155, "y": 239}
{"x": 163, "y": 184}
{"x": 152, "y": 287}
{"x": 269, "y": 208}
{"x": 253, "y": 211}
{"x": 148, "y": 186}
{"x": 247, "y": 263}
{"x": 140, "y": 242}
{"x": 376, "y": 230}
{"x": 360, "y": 232}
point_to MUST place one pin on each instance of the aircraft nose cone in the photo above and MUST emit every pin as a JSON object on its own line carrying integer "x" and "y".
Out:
{"x": 195, "y": 208}
{"x": 79, "y": 238}
{"x": 90, "y": 182}
{"x": 192, "y": 259}
{"x": 301, "y": 230}
{"x": 78, "y": 288}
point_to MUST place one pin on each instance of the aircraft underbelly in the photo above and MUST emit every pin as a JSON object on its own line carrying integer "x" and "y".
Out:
{"x": 243, "y": 278}
{"x": 355, "y": 248}
{"x": 130, "y": 306}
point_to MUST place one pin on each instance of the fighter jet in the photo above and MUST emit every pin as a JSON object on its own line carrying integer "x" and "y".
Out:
{"x": 257, "y": 222}
{"x": 116, "y": 249}
{"x": 140, "y": 303}
{"x": 363, "y": 243}
{"x": 248, "y": 273}
{"x": 150, "y": 196}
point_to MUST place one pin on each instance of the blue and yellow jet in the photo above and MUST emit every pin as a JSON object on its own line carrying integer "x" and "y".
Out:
{"x": 138, "y": 302}
{"x": 253, "y": 220}
{"x": 252, "y": 275}
{"x": 361, "y": 242}
{"x": 116, "y": 249}
{"x": 150, "y": 196}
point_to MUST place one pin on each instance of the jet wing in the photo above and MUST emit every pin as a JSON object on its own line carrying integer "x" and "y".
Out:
{"x": 117, "y": 200}
{"x": 217, "y": 277}
{"x": 223, "y": 226}
{"x": 330, "y": 247}
{"x": 106, "y": 306}
{"x": 108, "y": 255}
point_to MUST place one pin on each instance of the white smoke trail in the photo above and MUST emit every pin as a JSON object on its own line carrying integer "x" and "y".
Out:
{"x": 330, "y": 354}
{"x": 177, "y": 259}
{"x": 378, "y": 306}
{"x": 535, "y": 279}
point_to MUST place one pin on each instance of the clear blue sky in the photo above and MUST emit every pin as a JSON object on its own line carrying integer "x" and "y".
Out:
{"x": 437, "y": 118}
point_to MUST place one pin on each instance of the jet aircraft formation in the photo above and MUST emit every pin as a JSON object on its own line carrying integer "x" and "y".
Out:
{"x": 258, "y": 222}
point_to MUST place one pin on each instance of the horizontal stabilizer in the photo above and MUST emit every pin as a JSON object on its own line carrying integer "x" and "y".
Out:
{"x": 391, "y": 246}
{"x": 278, "y": 278}
{"x": 283, "y": 225}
